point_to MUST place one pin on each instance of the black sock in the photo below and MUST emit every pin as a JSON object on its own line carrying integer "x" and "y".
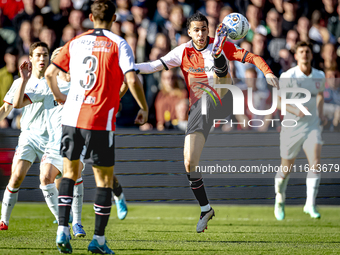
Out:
{"x": 102, "y": 208}
{"x": 65, "y": 199}
{"x": 221, "y": 67}
{"x": 117, "y": 190}
{"x": 197, "y": 186}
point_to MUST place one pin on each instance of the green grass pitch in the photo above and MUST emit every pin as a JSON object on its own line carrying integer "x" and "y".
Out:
{"x": 170, "y": 229}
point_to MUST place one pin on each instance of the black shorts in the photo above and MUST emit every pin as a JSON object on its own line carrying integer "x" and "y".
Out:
{"x": 100, "y": 145}
{"x": 203, "y": 123}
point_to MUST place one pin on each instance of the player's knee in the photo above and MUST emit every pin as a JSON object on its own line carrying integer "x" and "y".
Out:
{"x": 16, "y": 180}
{"x": 46, "y": 178}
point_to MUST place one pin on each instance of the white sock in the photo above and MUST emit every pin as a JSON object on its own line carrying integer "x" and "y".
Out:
{"x": 8, "y": 202}
{"x": 281, "y": 182}
{"x": 77, "y": 203}
{"x": 121, "y": 196}
{"x": 64, "y": 229}
{"x": 100, "y": 239}
{"x": 312, "y": 185}
{"x": 50, "y": 193}
{"x": 205, "y": 208}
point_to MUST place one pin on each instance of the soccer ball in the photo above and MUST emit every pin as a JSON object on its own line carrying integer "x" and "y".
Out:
{"x": 237, "y": 25}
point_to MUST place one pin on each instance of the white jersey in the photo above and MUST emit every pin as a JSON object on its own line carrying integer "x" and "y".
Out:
{"x": 33, "y": 116}
{"x": 53, "y": 113}
{"x": 315, "y": 83}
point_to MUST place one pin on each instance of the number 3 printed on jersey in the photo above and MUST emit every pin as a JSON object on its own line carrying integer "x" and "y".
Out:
{"x": 90, "y": 66}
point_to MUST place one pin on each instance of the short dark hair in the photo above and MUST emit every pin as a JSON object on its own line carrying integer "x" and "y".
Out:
{"x": 303, "y": 44}
{"x": 36, "y": 45}
{"x": 103, "y": 10}
{"x": 198, "y": 16}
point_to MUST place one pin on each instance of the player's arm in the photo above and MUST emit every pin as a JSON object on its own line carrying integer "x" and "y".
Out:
{"x": 51, "y": 78}
{"x": 319, "y": 103}
{"x": 241, "y": 55}
{"x": 137, "y": 92}
{"x": 289, "y": 108}
{"x": 5, "y": 109}
{"x": 150, "y": 67}
{"x": 20, "y": 100}
{"x": 123, "y": 89}
{"x": 170, "y": 60}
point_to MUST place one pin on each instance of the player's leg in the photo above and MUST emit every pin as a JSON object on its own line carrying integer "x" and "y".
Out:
{"x": 77, "y": 204}
{"x": 119, "y": 199}
{"x": 290, "y": 145}
{"x": 312, "y": 148}
{"x": 48, "y": 173}
{"x": 10, "y": 197}
{"x": 102, "y": 207}
{"x": 193, "y": 146}
{"x": 281, "y": 182}
{"x": 71, "y": 146}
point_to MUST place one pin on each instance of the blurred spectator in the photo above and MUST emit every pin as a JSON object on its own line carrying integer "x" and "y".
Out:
{"x": 188, "y": 10}
{"x": 331, "y": 106}
{"x": 328, "y": 54}
{"x": 319, "y": 33}
{"x": 37, "y": 25}
{"x": 334, "y": 24}
{"x": 131, "y": 39}
{"x": 47, "y": 36}
{"x": 123, "y": 9}
{"x": 278, "y": 5}
{"x": 181, "y": 121}
{"x": 9, "y": 72}
{"x": 29, "y": 12}
{"x": 176, "y": 25}
{"x": 276, "y": 40}
{"x": 212, "y": 24}
{"x": 303, "y": 26}
{"x": 167, "y": 98}
{"x": 183, "y": 39}
{"x": 225, "y": 11}
{"x": 128, "y": 25}
{"x": 25, "y": 39}
{"x": 254, "y": 16}
{"x": 162, "y": 14}
{"x": 6, "y": 33}
{"x": 11, "y": 8}
{"x": 289, "y": 15}
{"x": 261, "y": 100}
{"x": 162, "y": 42}
{"x": 61, "y": 18}
{"x": 291, "y": 39}
{"x": 328, "y": 10}
{"x": 117, "y": 28}
{"x": 286, "y": 60}
{"x": 212, "y": 8}
{"x": 76, "y": 19}
{"x": 68, "y": 34}
{"x": 146, "y": 29}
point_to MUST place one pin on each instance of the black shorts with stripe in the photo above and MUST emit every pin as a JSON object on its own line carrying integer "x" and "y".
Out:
{"x": 203, "y": 123}
{"x": 100, "y": 145}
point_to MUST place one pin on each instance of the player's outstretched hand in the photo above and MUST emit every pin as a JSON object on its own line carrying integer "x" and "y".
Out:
{"x": 60, "y": 99}
{"x": 25, "y": 70}
{"x": 272, "y": 80}
{"x": 142, "y": 117}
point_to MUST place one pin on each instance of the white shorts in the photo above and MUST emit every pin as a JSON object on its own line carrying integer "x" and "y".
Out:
{"x": 55, "y": 159}
{"x": 290, "y": 146}
{"x": 30, "y": 146}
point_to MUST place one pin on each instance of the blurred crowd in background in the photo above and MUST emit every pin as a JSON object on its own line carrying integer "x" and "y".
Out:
{"x": 152, "y": 28}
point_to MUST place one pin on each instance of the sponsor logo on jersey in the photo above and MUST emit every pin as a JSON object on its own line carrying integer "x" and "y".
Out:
{"x": 201, "y": 70}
